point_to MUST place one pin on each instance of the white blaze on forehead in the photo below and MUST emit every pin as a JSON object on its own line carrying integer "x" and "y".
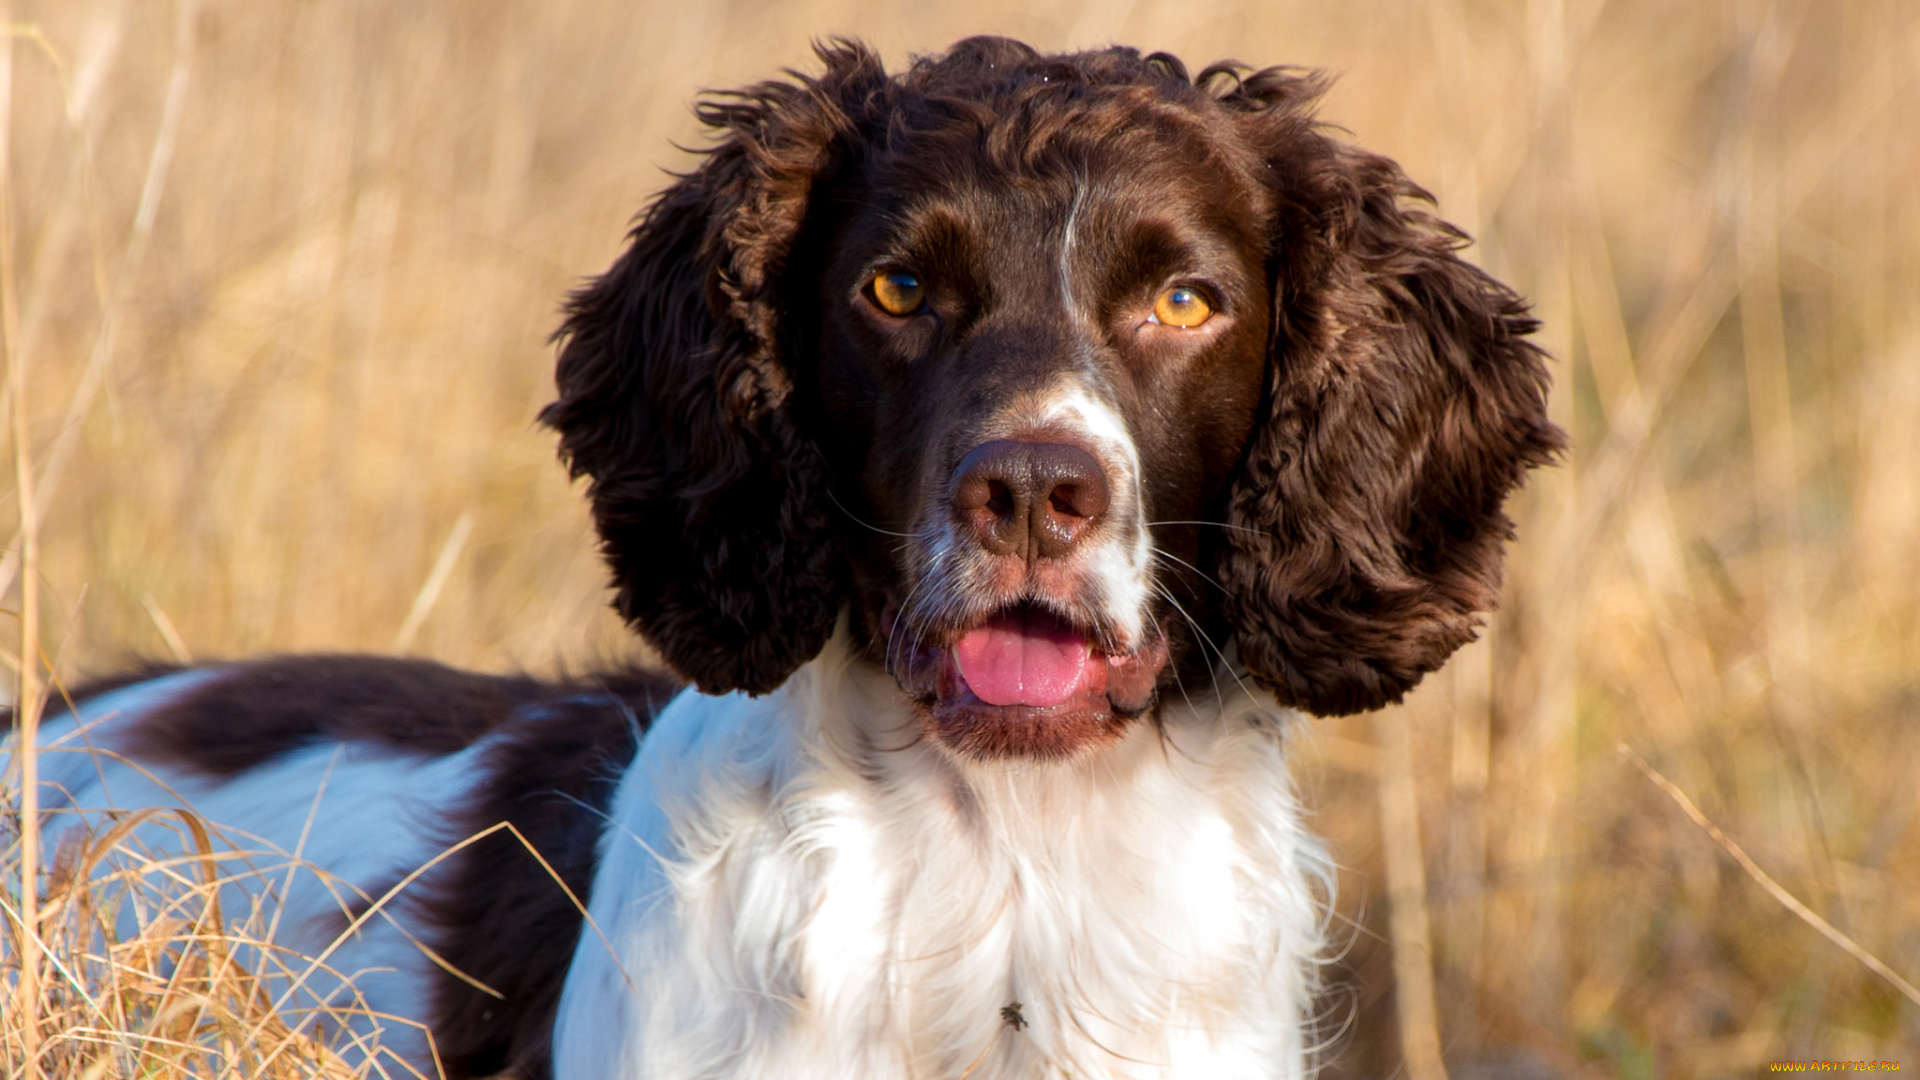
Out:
{"x": 1066, "y": 246}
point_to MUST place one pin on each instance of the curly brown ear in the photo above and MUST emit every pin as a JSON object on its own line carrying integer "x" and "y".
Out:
{"x": 710, "y": 503}
{"x": 1366, "y": 529}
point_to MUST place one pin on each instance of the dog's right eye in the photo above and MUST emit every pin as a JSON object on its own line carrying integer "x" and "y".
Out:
{"x": 1181, "y": 306}
{"x": 897, "y": 293}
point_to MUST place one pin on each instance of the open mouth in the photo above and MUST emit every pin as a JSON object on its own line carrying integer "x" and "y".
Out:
{"x": 1024, "y": 656}
{"x": 1027, "y": 682}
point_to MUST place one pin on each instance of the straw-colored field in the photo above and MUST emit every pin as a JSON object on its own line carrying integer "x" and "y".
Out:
{"x": 277, "y": 279}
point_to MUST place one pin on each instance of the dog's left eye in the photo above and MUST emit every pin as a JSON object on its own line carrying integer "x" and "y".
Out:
{"x": 897, "y": 293}
{"x": 1181, "y": 306}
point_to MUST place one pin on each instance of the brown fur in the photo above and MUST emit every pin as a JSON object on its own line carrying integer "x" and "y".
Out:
{"x": 258, "y": 710}
{"x": 1365, "y": 532}
{"x": 1354, "y": 442}
{"x": 502, "y": 920}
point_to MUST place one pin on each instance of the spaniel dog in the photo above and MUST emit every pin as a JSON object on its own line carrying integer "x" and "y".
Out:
{"x": 1005, "y": 450}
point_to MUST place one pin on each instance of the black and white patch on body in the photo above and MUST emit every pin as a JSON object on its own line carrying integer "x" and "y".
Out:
{"x": 325, "y": 781}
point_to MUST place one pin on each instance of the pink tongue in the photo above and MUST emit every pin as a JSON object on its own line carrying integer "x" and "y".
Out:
{"x": 1022, "y": 657}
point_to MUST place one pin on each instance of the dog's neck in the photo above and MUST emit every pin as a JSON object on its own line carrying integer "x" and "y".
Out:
{"x": 1150, "y": 906}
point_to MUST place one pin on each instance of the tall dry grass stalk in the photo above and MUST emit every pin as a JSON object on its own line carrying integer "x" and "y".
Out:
{"x": 25, "y": 1002}
{"x": 281, "y": 280}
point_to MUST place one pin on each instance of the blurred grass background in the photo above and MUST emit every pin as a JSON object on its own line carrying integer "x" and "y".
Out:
{"x": 283, "y": 274}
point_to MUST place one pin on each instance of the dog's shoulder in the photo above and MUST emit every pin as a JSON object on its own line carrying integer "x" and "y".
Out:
{"x": 508, "y": 917}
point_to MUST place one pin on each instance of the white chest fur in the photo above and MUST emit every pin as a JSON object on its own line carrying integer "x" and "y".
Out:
{"x": 799, "y": 886}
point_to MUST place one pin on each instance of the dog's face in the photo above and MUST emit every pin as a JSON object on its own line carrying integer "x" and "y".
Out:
{"x": 1061, "y": 374}
{"x": 1035, "y": 378}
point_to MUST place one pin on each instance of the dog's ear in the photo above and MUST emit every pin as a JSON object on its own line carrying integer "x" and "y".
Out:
{"x": 710, "y": 503}
{"x": 1365, "y": 530}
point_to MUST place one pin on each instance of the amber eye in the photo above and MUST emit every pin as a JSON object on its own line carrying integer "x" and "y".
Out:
{"x": 898, "y": 293}
{"x": 1182, "y": 307}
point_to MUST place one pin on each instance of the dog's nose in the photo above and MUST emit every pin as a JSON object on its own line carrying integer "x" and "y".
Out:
{"x": 1028, "y": 498}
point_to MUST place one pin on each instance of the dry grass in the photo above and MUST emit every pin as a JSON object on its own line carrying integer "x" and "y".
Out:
{"x": 144, "y": 974}
{"x": 276, "y": 283}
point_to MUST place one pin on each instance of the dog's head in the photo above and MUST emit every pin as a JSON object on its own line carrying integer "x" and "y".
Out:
{"x": 1062, "y": 373}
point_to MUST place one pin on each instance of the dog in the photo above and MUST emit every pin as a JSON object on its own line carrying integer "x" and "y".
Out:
{"x": 1006, "y": 451}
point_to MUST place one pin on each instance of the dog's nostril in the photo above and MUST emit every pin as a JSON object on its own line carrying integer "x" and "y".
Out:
{"x": 999, "y": 498}
{"x": 1079, "y": 500}
{"x": 1028, "y": 497}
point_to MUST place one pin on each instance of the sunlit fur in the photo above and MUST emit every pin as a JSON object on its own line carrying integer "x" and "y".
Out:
{"x": 797, "y": 886}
